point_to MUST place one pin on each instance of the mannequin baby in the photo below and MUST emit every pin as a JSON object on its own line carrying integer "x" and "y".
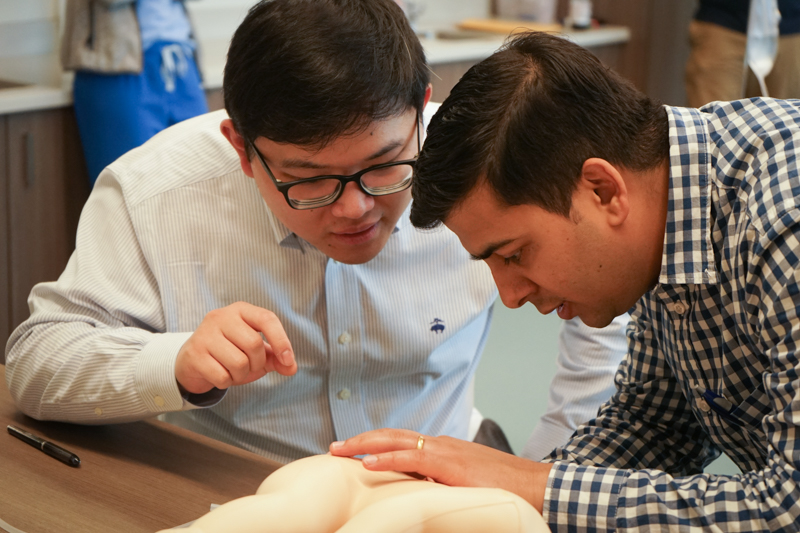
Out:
{"x": 323, "y": 493}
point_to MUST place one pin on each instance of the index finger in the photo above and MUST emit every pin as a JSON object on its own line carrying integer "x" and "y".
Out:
{"x": 267, "y": 322}
{"x": 377, "y": 441}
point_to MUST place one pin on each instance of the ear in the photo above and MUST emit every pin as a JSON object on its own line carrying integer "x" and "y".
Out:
{"x": 238, "y": 143}
{"x": 428, "y": 93}
{"x": 608, "y": 189}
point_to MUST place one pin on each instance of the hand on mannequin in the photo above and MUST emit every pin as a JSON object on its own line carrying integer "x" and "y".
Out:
{"x": 327, "y": 494}
{"x": 227, "y": 349}
{"x": 449, "y": 461}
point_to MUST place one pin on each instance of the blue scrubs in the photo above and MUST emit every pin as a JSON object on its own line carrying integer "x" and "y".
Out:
{"x": 118, "y": 112}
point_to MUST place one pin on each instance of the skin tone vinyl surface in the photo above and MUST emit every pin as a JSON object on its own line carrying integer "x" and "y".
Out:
{"x": 324, "y": 493}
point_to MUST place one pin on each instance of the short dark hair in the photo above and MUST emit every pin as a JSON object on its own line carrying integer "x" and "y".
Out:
{"x": 307, "y": 71}
{"x": 525, "y": 120}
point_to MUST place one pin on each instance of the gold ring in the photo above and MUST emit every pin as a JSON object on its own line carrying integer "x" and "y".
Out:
{"x": 420, "y": 442}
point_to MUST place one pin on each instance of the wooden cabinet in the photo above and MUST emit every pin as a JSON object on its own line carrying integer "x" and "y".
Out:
{"x": 5, "y": 306}
{"x": 444, "y": 77}
{"x": 45, "y": 187}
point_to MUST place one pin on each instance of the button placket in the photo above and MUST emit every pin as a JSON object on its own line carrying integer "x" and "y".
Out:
{"x": 345, "y": 324}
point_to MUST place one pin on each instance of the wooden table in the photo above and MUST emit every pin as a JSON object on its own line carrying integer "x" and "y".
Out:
{"x": 142, "y": 476}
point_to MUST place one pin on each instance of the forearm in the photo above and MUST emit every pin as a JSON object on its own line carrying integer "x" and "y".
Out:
{"x": 593, "y": 499}
{"x": 62, "y": 366}
{"x": 91, "y": 351}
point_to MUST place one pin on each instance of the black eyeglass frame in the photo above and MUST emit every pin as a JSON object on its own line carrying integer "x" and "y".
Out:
{"x": 283, "y": 187}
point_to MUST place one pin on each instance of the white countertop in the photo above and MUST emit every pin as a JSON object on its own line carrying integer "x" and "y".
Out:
{"x": 212, "y": 62}
{"x": 451, "y": 50}
{"x": 437, "y": 51}
{"x": 32, "y": 98}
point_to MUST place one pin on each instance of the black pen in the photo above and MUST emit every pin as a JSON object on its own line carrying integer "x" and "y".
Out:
{"x": 53, "y": 450}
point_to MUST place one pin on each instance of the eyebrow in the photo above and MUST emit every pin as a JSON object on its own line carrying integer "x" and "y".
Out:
{"x": 302, "y": 163}
{"x": 489, "y": 250}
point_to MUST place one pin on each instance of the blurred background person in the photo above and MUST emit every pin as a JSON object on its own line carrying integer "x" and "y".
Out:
{"x": 135, "y": 73}
{"x": 717, "y": 68}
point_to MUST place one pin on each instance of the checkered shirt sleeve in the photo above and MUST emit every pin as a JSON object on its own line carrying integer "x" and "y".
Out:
{"x": 724, "y": 317}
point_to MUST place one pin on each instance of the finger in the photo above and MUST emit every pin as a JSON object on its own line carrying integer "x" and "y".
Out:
{"x": 249, "y": 342}
{"x": 234, "y": 360}
{"x": 212, "y": 371}
{"x": 272, "y": 364}
{"x": 267, "y": 323}
{"x": 378, "y": 441}
{"x": 419, "y": 461}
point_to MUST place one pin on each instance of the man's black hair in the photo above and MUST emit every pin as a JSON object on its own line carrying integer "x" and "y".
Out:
{"x": 525, "y": 120}
{"x": 307, "y": 71}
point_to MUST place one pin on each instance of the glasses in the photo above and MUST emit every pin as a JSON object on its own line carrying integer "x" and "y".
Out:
{"x": 319, "y": 191}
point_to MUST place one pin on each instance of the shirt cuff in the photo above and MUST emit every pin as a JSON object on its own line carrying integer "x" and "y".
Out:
{"x": 155, "y": 373}
{"x": 546, "y": 437}
{"x": 205, "y": 399}
{"x": 582, "y": 498}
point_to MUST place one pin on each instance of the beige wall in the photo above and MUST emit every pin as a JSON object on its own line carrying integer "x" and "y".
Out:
{"x": 29, "y": 41}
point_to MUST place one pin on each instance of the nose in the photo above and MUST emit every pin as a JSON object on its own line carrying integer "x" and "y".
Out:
{"x": 353, "y": 203}
{"x": 514, "y": 289}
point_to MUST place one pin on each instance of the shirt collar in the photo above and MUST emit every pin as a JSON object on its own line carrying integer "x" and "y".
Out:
{"x": 688, "y": 256}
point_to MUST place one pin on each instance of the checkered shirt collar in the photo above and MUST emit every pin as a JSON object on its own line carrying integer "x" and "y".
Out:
{"x": 688, "y": 257}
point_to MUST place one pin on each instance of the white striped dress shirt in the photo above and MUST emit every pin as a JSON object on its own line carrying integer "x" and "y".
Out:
{"x": 173, "y": 230}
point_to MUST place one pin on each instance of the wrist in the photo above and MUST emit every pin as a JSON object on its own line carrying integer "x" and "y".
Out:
{"x": 540, "y": 473}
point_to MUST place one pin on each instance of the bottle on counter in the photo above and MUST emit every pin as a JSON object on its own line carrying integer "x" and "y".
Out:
{"x": 580, "y": 14}
{"x": 542, "y": 11}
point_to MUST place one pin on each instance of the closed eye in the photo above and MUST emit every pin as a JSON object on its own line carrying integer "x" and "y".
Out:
{"x": 515, "y": 259}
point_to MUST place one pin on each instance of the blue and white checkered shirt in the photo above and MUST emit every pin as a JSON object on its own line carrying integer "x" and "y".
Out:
{"x": 723, "y": 317}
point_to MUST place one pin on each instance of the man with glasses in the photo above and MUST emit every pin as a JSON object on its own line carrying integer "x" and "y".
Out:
{"x": 265, "y": 286}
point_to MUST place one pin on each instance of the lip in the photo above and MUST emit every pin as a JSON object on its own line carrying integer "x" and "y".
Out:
{"x": 355, "y": 230}
{"x": 565, "y": 311}
{"x": 548, "y": 310}
{"x": 357, "y": 235}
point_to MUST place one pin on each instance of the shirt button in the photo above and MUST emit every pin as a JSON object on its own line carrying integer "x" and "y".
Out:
{"x": 703, "y": 405}
{"x": 680, "y": 308}
{"x": 159, "y": 401}
{"x": 343, "y": 394}
{"x": 98, "y": 411}
{"x": 344, "y": 338}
